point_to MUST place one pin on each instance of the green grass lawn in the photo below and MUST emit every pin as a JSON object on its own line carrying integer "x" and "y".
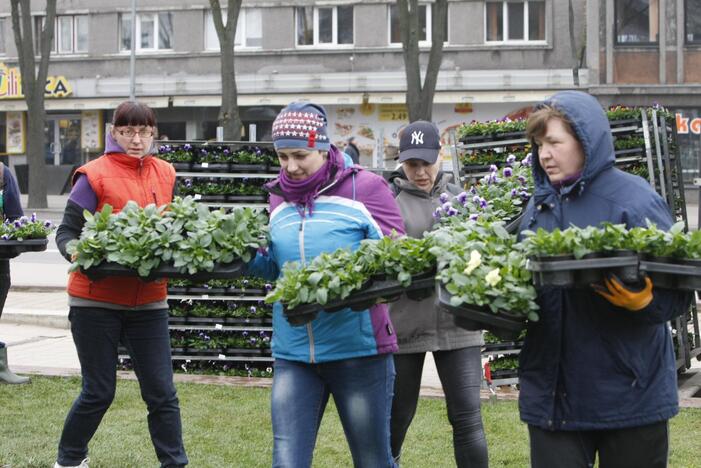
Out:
{"x": 230, "y": 427}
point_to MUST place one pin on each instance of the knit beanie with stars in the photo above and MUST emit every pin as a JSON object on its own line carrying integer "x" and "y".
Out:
{"x": 301, "y": 125}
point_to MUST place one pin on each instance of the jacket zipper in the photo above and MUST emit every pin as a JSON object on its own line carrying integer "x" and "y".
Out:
{"x": 310, "y": 331}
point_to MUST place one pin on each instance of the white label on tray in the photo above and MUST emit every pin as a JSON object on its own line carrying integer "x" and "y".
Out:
{"x": 219, "y": 326}
{"x": 197, "y": 196}
{"x": 204, "y": 164}
{"x": 221, "y": 356}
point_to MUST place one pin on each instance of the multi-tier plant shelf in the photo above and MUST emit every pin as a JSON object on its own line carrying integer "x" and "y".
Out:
{"x": 645, "y": 145}
{"x": 221, "y": 326}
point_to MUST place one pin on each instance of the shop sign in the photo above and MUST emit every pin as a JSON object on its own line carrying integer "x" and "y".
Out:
{"x": 11, "y": 84}
{"x": 685, "y": 125}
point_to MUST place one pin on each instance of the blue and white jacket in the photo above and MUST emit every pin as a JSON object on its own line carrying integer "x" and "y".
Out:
{"x": 355, "y": 205}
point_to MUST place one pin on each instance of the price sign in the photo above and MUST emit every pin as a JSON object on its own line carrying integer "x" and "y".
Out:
{"x": 393, "y": 112}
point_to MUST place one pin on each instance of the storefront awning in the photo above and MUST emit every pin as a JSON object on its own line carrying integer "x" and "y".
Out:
{"x": 73, "y": 104}
{"x": 268, "y": 99}
{"x": 441, "y": 97}
{"x": 457, "y": 97}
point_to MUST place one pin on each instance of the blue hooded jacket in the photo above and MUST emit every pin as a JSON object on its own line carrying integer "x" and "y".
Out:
{"x": 588, "y": 364}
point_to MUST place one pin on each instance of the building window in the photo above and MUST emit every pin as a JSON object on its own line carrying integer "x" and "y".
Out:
{"x": 519, "y": 22}
{"x": 70, "y": 32}
{"x": 425, "y": 23}
{"x": 154, "y": 30}
{"x": 249, "y": 29}
{"x": 324, "y": 25}
{"x": 637, "y": 21}
{"x": 693, "y": 21}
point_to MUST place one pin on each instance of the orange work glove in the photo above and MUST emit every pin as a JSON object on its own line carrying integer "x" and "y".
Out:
{"x": 618, "y": 294}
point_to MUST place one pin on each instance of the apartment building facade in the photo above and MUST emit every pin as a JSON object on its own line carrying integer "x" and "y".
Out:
{"x": 642, "y": 52}
{"x": 499, "y": 58}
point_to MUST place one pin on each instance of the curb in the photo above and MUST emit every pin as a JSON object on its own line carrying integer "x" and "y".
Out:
{"x": 38, "y": 320}
{"x": 37, "y": 288}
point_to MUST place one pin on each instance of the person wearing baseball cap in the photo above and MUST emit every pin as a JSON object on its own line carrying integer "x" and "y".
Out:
{"x": 321, "y": 202}
{"x": 420, "y": 186}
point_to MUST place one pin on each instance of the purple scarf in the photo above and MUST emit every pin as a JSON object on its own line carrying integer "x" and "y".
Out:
{"x": 303, "y": 192}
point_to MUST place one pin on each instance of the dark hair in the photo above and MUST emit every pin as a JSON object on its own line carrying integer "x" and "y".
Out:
{"x": 133, "y": 113}
{"x": 538, "y": 122}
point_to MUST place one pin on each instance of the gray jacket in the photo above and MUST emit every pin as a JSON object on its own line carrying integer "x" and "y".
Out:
{"x": 420, "y": 325}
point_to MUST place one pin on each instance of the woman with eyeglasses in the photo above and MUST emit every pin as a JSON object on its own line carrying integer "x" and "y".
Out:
{"x": 108, "y": 311}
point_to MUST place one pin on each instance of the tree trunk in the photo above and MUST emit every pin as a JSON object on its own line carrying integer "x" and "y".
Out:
{"x": 229, "y": 112}
{"x": 33, "y": 85}
{"x": 419, "y": 98}
{"x": 229, "y": 117}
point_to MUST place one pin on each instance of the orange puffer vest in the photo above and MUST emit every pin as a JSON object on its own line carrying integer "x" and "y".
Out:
{"x": 117, "y": 178}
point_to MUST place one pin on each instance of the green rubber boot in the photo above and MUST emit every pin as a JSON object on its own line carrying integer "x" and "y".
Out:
{"x": 6, "y": 376}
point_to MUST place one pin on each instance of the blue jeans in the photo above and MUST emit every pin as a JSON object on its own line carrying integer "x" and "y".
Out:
{"x": 97, "y": 333}
{"x": 362, "y": 391}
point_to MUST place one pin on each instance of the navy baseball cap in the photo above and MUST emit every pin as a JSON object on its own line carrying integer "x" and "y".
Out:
{"x": 420, "y": 140}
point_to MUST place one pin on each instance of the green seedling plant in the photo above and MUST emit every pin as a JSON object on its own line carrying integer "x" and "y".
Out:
{"x": 184, "y": 234}
{"x": 481, "y": 264}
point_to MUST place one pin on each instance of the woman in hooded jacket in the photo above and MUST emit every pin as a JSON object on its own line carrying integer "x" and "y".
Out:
{"x": 597, "y": 372}
{"x": 421, "y": 327}
{"x": 319, "y": 203}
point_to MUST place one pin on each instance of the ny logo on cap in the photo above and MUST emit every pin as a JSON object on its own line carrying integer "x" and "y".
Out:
{"x": 417, "y": 138}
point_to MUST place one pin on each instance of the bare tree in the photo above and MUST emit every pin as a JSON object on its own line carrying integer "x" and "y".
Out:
{"x": 229, "y": 117}
{"x": 578, "y": 51}
{"x": 33, "y": 85}
{"x": 419, "y": 98}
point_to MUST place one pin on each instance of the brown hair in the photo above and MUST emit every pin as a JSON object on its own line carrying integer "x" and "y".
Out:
{"x": 538, "y": 123}
{"x": 133, "y": 113}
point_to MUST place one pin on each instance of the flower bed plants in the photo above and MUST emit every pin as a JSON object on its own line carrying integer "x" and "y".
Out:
{"x": 504, "y": 367}
{"x": 26, "y": 234}
{"x": 622, "y": 115}
{"x": 215, "y": 343}
{"x": 183, "y": 239}
{"x": 223, "y": 368}
{"x": 502, "y": 129}
{"x": 250, "y": 286}
{"x": 220, "y": 158}
{"x": 221, "y": 312}
{"x": 500, "y": 195}
{"x": 218, "y": 190}
{"x": 483, "y": 278}
{"x": 480, "y": 160}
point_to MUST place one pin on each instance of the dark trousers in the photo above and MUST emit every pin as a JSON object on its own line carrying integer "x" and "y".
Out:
{"x": 97, "y": 333}
{"x": 634, "y": 447}
{"x": 4, "y": 286}
{"x": 461, "y": 376}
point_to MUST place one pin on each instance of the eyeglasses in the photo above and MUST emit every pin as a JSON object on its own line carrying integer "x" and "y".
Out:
{"x": 130, "y": 133}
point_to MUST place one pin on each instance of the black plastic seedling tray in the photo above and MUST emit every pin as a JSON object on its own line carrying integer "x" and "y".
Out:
{"x": 504, "y": 325}
{"x": 566, "y": 271}
{"x": 12, "y": 248}
{"x": 673, "y": 273}
{"x": 220, "y": 271}
{"x": 378, "y": 291}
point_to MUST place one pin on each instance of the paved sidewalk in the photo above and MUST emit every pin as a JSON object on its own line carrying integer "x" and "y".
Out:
{"x": 36, "y": 329}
